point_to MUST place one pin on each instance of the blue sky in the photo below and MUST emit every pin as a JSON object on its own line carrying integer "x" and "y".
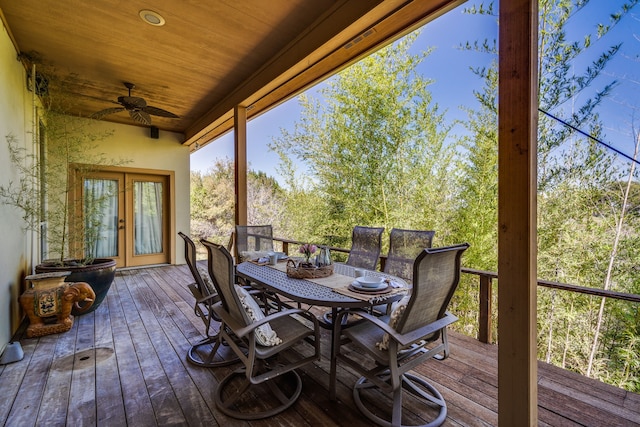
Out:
{"x": 454, "y": 83}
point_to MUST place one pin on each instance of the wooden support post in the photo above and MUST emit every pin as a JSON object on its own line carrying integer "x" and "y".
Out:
{"x": 240, "y": 149}
{"x": 517, "y": 162}
{"x": 485, "y": 324}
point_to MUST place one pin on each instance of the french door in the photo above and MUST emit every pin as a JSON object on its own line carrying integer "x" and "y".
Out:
{"x": 133, "y": 217}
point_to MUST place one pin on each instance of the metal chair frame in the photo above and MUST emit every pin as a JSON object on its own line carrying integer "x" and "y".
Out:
{"x": 366, "y": 243}
{"x": 219, "y": 354}
{"x": 261, "y": 364}
{"x": 414, "y": 339}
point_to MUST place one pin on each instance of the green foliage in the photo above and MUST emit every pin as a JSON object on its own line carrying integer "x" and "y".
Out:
{"x": 580, "y": 198}
{"x": 213, "y": 202}
{"x": 73, "y": 151}
{"x": 375, "y": 148}
{"x": 19, "y": 193}
{"x": 477, "y": 213}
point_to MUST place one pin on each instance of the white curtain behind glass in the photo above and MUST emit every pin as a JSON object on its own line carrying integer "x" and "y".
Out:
{"x": 148, "y": 217}
{"x": 101, "y": 208}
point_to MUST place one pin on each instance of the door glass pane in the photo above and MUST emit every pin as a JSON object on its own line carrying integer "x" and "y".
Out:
{"x": 147, "y": 217}
{"x": 101, "y": 217}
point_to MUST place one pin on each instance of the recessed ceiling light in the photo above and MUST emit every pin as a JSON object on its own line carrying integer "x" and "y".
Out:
{"x": 151, "y": 17}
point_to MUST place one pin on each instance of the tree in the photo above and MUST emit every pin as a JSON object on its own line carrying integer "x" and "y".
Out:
{"x": 477, "y": 213}
{"x": 574, "y": 172}
{"x": 375, "y": 149}
{"x": 212, "y": 202}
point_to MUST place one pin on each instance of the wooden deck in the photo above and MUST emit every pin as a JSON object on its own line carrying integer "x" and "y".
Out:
{"x": 124, "y": 364}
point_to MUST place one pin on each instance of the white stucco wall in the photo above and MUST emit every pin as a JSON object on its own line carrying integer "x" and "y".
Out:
{"x": 15, "y": 119}
{"x": 19, "y": 250}
{"x": 133, "y": 144}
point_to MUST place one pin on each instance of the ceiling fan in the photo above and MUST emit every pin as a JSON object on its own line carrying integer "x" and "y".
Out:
{"x": 137, "y": 108}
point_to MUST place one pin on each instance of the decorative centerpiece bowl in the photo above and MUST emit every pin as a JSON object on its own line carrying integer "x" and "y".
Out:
{"x": 302, "y": 270}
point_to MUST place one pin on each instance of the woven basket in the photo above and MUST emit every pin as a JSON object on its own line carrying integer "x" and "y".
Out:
{"x": 297, "y": 272}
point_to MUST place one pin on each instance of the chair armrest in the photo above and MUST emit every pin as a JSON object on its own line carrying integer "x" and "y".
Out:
{"x": 367, "y": 316}
{"x": 241, "y": 332}
{"x": 417, "y": 334}
{"x": 212, "y": 299}
{"x": 198, "y": 296}
{"x": 409, "y": 337}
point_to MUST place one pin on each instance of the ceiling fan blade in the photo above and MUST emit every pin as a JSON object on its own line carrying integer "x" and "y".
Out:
{"x": 137, "y": 108}
{"x": 140, "y": 117}
{"x": 159, "y": 112}
{"x": 106, "y": 112}
{"x": 131, "y": 102}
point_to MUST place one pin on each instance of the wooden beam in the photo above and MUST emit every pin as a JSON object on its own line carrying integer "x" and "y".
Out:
{"x": 485, "y": 324}
{"x": 289, "y": 73}
{"x": 332, "y": 23}
{"x": 517, "y": 162}
{"x": 240, "y": 169}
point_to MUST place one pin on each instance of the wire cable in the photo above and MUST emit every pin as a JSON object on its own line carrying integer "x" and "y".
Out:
{"x": 580, "y": 131}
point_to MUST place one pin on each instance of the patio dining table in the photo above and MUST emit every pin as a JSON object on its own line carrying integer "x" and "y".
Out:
{"x": 329, "y": 291}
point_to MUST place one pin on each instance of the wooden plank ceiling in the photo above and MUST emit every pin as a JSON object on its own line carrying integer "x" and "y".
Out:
{"x": 208, "y": 56}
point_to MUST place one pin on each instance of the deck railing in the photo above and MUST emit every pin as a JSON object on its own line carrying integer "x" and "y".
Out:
{"x": 485, "y": 290}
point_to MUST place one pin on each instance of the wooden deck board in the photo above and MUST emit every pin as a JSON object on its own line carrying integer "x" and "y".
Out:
{"x": 137, "y": 402}
{"x": 167, "y": 334}
{"x": 55, "y": 400}
{"x": 111, "y": 410}
{"x": 33, "y": 383}
{"x": 125, "y": 364}
{"x": 143, "y": 326}
{"x": 82, "y": 396}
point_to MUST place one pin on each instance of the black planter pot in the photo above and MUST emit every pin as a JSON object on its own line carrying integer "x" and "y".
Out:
{"x": 99, "y": 275}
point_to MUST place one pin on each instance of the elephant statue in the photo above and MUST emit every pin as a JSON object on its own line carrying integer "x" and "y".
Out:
{"x": 49, "y": 309}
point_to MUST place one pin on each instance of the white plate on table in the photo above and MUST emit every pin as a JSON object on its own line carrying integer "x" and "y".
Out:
{"x": 370, "y": 281}
{"x": 359, "y": 288}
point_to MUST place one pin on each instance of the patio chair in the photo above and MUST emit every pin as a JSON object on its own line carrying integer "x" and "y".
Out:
{"x": 414, "y": 332}
{"x": 210, "y": 351}
{"x": 364, "y": 253}
{"x": 365, "y": 247}
{"x": 253, "y": 241}
{"x": 404, "y": 247}
{"x": 267, "y": 384}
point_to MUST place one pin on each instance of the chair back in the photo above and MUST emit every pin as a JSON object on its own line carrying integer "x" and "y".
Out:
{"x": 254, "y": 238}
{"x": 436, "y": 273}
{"x": 190, "y": 257}
{"x": 365, "y": 247}
{"x": 404, "y": 247}
{"x": 222, "y": 272}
